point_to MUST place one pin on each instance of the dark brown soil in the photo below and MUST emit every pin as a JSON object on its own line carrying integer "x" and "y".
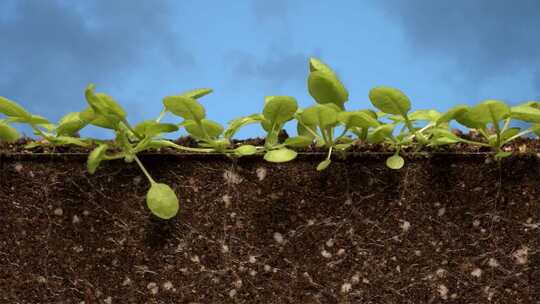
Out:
{"x": 444, "y": 229}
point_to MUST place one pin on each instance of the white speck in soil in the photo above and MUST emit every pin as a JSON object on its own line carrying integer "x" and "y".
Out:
{"x": 346, "y": 288}
{"x": 267, "y": 268}
{"x": 227, "y": 200}
{"x": 493, "y": 263}
{"x": 252, "y": 273}
{"x": 168, "y": 285}
{"x": 326, "y": 254}
{"x": 153, "y": 287}
{"x": 330, "y": 243}
{"x": 252, "y": 259}
{"x": 441, "y": 211}
{"x": 443, "y": 291}
{"x": 126, "y": 282}
{"x": 405, "y": 226}
{"x": 261, "y": 173}
{"x": 341, "y": 252}
{"x": 237, "y": 284}
{"x": 521, "y": 255}
{"x": 476, "y": 223}
{"x": 18, "y": 167}
{"x": 278, "y": 238}
{"x": 108, "y": 300}
{"x": 355, "y": 279}
{"x": 76, "y": 219}
{"x": 477, "y": 272}
{"x": 232, "y": 293}
{"x": 58, "y": 211}
{"x": 231, "y": 177}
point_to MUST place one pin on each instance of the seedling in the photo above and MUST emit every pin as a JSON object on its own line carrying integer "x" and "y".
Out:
{"x": 317, "y": 124}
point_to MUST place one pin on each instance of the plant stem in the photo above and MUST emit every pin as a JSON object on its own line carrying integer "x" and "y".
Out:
{"x": 144, "y": 170}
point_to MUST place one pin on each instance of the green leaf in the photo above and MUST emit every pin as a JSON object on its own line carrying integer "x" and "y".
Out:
{"x": 66, "y": 140}
{"x": 357, "y": 119}
{"x": 280, "y": 155}
{"x": 162, "y": 201}
{"x": 488, "y": 111}
{"x": 502, "y": 154}
{"x": 151, "y": 128}
{"x": 13, "y": 109}
{"x": 317, "y": 65}
{"x": 323, "y": 165}
{"x": 443, "y": 137}
{"x": 197, "y": 93}
{"x": 299, "y": 141}
{"x": 185, "y": 107}
{"x": 536, "y": 129}
{"x": 279, "y": 109}
{"x": 326, "y": 88}
{"x": 236, "y": 124}
{"x": 104, "y": 104}
{"x": 390, "y": 100}
{"x": 395, "y": 162}
{"x": 212, "y": 128}
{"x": 452, "y": 114}
{"x": 89, "y": 116}
{"x": 525, "y": 113}
{"x": 429, "y": 115}
{"x": 95, "y": 157}
{"x": 245, "y": 150}
{"x": 320, "y": 115}
{"x": 510, "y": 132}
{"x": 380, "y": 133}
{"x": 70, "y": 124}
{"x": 8, "y": 133}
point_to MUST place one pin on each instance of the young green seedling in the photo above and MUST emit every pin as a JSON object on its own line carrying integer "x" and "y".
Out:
{"x": 106, "y": 112}
{"x": 207, "y": 132}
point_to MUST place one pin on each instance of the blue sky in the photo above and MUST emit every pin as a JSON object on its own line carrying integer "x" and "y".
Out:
{"x": 440, "y": 53}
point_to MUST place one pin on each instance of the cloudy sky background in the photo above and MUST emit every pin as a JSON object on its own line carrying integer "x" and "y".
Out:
{"x": 440, "y": 53}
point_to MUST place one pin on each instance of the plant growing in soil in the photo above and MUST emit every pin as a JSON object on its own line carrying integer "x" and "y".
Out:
{"x": 326, "y": 124}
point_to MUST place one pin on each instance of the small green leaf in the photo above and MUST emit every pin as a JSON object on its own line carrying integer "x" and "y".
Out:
{"x": 452, "y": 114}
{"x": 104, "y": 104}
{"x": 279, "y": 109}
{"x": 317, "y": 65}
{"x": 280, "y": 155}
{"x": 236, "y": 124}
{"x": 197, "y": 93}
{"x": 212, "y": 128}
{"x": 320, "y": 115}
{"x": 12, "y": 109}
{"x": 246, "y": 150}
{"x": 8, "y": 133}
{"x": 525, "y": 113}
{"x": 162, "y": 201}
{"x": 502, "y": 154}
{"x": 395, "y": 162}
{"x": 185, "y": 107}
{"x": 66, "y": 140}
{"x": 390, "y": 100}
{"x": 89, "y": 116}
{"x": 326, "y": 88}
{"x": 429, "y": 115}
{"x": 488, "y": 111}
{"x": 510, "y": 132}
{"x": 151, "y": 128}
{"x": 323, "y": 165}
{"x": 299, "y": 141}
{"x": 70, "y": 124}
{"x": 95, "y": 157}
{"x": 380, "y": 133}
{"x": 536, "y": 129}
{"x": 357, "y": 119}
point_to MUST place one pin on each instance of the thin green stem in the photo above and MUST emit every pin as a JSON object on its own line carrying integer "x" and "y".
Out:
{"x": 144, "y": 170}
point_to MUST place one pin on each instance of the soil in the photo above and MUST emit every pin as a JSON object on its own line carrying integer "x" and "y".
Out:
{"x": 447, "y": 228}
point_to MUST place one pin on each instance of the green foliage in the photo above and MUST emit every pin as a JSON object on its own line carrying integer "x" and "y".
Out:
{"x": 325, "y": 124}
